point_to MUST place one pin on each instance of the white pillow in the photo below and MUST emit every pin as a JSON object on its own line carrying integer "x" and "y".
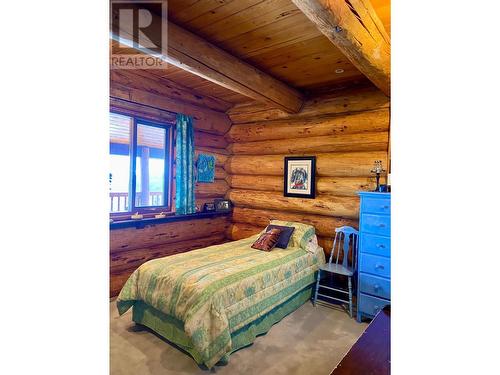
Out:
{"x": 312, "y": 244}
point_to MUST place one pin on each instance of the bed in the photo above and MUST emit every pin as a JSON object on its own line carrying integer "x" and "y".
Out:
{"x": 213, "y": 301}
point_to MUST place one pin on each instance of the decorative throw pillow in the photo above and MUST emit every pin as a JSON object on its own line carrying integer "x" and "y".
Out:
{"x": 312, "y": 244}
{"x": 301, "y": 235}
{"x": 267, "y": 240}
{"x": 286, "y": 233}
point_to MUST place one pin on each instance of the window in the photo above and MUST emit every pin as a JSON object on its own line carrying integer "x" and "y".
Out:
{"x": 140, "y": 176}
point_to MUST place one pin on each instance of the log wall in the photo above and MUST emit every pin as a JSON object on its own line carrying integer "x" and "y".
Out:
{"x": 346, "y": 131}
{"x": 131, "y": 247}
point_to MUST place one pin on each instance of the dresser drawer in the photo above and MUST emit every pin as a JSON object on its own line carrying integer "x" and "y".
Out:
{"x": 375, "y": 265}
{"x": 376, "y": 205}
{"x": 376, "y": 245}
{"x": 375, "y": 286}
{"x": 371, "y": 305}
{"x": 376, "y": 224}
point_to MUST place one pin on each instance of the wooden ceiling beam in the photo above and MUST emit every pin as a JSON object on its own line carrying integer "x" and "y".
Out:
{"x": 146, "y": 80}
{"x": 355, "y": 29}
{"x": 199, "y": 57}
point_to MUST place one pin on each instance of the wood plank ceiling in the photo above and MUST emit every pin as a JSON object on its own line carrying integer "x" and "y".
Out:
{"x": 272, "y": 35}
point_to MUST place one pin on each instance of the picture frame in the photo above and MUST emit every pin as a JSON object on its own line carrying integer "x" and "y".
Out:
{"x": 300, "y": 177}
{"x": 222, "y": 205}
{"x": 209, "y": 207}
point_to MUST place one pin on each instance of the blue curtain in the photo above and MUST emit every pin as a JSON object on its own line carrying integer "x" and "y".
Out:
{"x": 184, "y": 163}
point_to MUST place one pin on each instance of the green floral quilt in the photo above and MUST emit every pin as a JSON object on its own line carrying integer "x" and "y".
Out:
{"x": 219, "y": 289}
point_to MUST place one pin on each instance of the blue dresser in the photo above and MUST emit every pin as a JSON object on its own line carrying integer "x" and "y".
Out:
{"x": 374, "y": 259}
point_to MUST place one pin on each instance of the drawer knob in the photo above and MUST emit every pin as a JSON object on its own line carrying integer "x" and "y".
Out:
{"x": 381, "y": 225}
{"x": 379, "y": 267}
{"x": 375, "y": 308}
{"x": 385, "y": 207}
{"x": 376, "y": 287}
{"x": 381, "y": 246}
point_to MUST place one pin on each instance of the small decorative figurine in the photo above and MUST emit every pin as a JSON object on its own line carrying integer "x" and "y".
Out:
{"x": 137, "y": 216}
{"x": 377, "y": 169}
{"x": 161, "y": 215}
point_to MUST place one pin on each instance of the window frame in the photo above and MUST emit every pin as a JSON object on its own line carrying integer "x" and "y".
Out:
{"x": 148, "y": 211}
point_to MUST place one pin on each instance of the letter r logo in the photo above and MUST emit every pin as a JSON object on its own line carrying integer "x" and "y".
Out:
{"x": 139, "y": 24}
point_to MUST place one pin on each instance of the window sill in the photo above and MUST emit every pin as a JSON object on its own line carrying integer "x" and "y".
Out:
{"x": 141, "y": 223}
{"x": 146, "y": 213}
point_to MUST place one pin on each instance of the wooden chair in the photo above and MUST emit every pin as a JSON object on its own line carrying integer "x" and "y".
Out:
{"x": 346, "y": 238}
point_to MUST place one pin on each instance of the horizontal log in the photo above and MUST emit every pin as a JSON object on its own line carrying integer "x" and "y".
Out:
{"x": 143, "y": 111}
{"x": 344, "y": 186}
{"x": 238, "y": 231}
{"x": 126, "y": 260}
{"x": 371, "y": 121}
{"x": 218, "y": 188}
{"x": 146, "y": 81}
{"x": 220, "y": 173}
{"x": 212, "y": 150}
{"x": 325, "y": 225}
{"x": 353, "y": 164}
{"x": 203, "y": 139}
{"x": 334, "y": 143}
{"x": 352, "y": 100}
{"x": 341, "y": 186}
{"x": 205, "y": 119}
{"x": 160, "y": 234}
{"x": 249, "y": 182}
{"x": 328, "y": 205}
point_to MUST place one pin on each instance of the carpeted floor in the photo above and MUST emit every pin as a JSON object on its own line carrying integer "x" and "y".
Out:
{"x": 311, "y": 340}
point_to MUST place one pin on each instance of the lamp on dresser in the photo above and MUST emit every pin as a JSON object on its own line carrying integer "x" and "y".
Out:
{"x": 374, "y": 264}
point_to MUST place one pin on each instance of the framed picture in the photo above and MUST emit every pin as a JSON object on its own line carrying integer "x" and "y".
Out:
{"x": 222, "y": 205}
{"x": 300, "y": 175}
{"x": 209, "y": 207}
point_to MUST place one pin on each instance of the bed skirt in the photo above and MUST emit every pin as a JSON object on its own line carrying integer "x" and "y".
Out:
{"x": 172, "y": 329}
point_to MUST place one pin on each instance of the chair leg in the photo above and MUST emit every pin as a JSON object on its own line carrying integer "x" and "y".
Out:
{"x": 317, "y": 288}
{"x": 350, "y": 296}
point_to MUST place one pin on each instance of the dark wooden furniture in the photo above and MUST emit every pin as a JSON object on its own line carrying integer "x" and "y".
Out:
{"x": 371, "y": 354}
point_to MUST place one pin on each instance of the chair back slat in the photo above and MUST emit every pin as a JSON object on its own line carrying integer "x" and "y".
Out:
{"x": 345, "y": 254}
{"x": 336, "y": 248}
{"x": 339, "y": 246}
{"x": 333, "y": 247}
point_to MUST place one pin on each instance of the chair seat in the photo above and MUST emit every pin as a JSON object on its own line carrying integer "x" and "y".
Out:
{"x": 337, "y": 268}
